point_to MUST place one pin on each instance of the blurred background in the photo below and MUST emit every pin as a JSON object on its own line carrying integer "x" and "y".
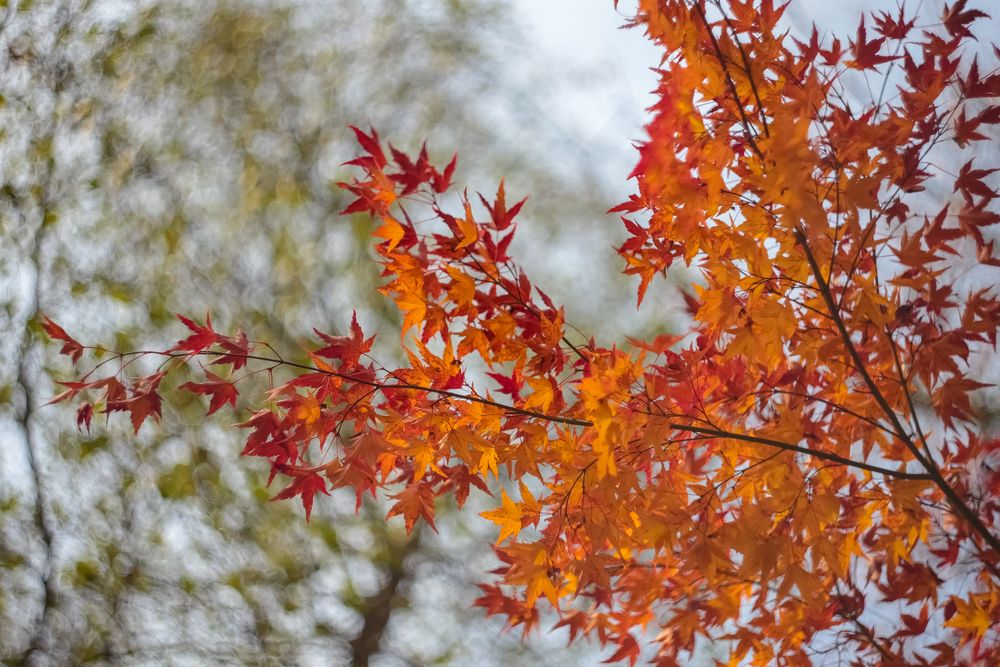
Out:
{"x": 179, "y": 156}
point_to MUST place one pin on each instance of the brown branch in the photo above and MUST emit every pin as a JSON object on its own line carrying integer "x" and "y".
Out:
{"x": 852, "y": 351}
{"x": 816, "y": 453}
{"x": 909, "y": 396}
{"x": 377, "y": 609}
{"x": 746, "y": 69}
{"x": 571, "y": 421}
{"x": 729, "y": 81}
{"x": 956, "y": 501}
{"x": 382, "y": 386}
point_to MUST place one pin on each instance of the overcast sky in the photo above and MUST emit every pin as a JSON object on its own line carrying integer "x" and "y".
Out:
{"x": 585, "y": 33}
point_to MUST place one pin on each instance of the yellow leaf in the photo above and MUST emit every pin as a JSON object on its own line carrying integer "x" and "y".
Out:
{"x": 391, "y": 231}
{"x": 970, "y": 616}
{"x": 508, "y": 517}
{"x": 540, "y": 584}
{"x": 307, "y": 410}
{"x": 488, "y": 462}
{"x": 414, "y": 310}
{"x": 467, "y": 226}
{"x": 462, "y": 290}
{"x": 469, "y": 230}
{"x": 541, "y": 394}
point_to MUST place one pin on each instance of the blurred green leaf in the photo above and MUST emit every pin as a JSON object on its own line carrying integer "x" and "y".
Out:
{"x": 177, "y": 483}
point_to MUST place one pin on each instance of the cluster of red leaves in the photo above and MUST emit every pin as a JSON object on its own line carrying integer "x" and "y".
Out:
{"x": 805, "y": 461}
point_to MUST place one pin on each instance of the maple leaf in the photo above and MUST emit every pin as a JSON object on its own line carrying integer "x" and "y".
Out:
{"x": 143, "y": 402}
{"x": 461, "y": 479}
{"x": 411, "y": 174}
{"x": 915, "y": 626}
{"x": 957, "y": 19}
{"x": 970, "y": 616}
{"x": 203, "y": 336}
{"x": 391, "y": 230}
{"x": 509, "y": 384}
{"x": 237, "y": 350}
{"x": 72, "y": 389}
{"x": 865, "y": 52}
{"x": 305, "y": 483}
{"x": 221, "y": 391}
{"x": 973, "y": 86}
{"x": 347, "y": 349}
{"x": 508, "y": 517}
{"x": 628, "y": 649}
{"x": 970, "y": 183}
{"x": 371, "y": 144}
{"x": 832, "y": 55}
{"x": 84, "y": 415}
{"x": 543, "y": 392}
{"x": 442, "y": 180}
{"x": 500, "y": 215}
{"x": 415, "y": 501}
{"x": 894, "y": 28}
{"x": 264, "y": 424}
{"x": 70, "y": 347}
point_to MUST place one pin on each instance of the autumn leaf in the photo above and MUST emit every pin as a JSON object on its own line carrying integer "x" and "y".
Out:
{"x": 237, "y": 350}
{"x": 707, "y": 481}
{"x": 957, "y": 18}
{"x": 347, "y": 349}
{"x": 628, "y": 649}
{"x": 413, "y": 502}
{"x": 221, "y": 391}
{"x": 143, "y": 402}
{"x": 508, "y": 517}
{"x": 306, "y": 483}
{"x": 371, "y": 144}
{"x": 203, "y": 336}
{"x": 84, "y": 415}
{"x": 70, "y": 347}
{"x": 970, "y": 616}
{"x": 865, "y": 52}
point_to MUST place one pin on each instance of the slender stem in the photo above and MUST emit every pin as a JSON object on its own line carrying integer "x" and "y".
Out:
{"x": 956, "y": 501}
{"x": 852, "y": 351}
{"x": 379, "y": 385}
{"x": 570, "y": 421}
{"x": 746, "y": 68}
{"x": 816, "y": 453}
{"x": 729, "y": 81}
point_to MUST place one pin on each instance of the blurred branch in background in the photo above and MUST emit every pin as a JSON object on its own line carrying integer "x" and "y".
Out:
{"x": 159, "y": 153}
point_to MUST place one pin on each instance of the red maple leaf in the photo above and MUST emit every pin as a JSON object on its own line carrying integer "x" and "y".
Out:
{"x": 371, "y": 145}
{"x": 894, "y": 28}
{"x": 221, "y": 391}
{"x": 306, "y": 483}
{"x": 866, "y": 52}
{"x": 202, "y": 337}
{"x": 348, "y": 349}
{"x": 970, "y": 182}
{"x": 84, "y": 415}
{"x": 70, "y": 347}
{"x": 237, "y": 350}
{"x": 956, "y": 19}
{"x": 509, "y": 385}
{"x": 144, "y": 401}
{"x": 628, "y": 649}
